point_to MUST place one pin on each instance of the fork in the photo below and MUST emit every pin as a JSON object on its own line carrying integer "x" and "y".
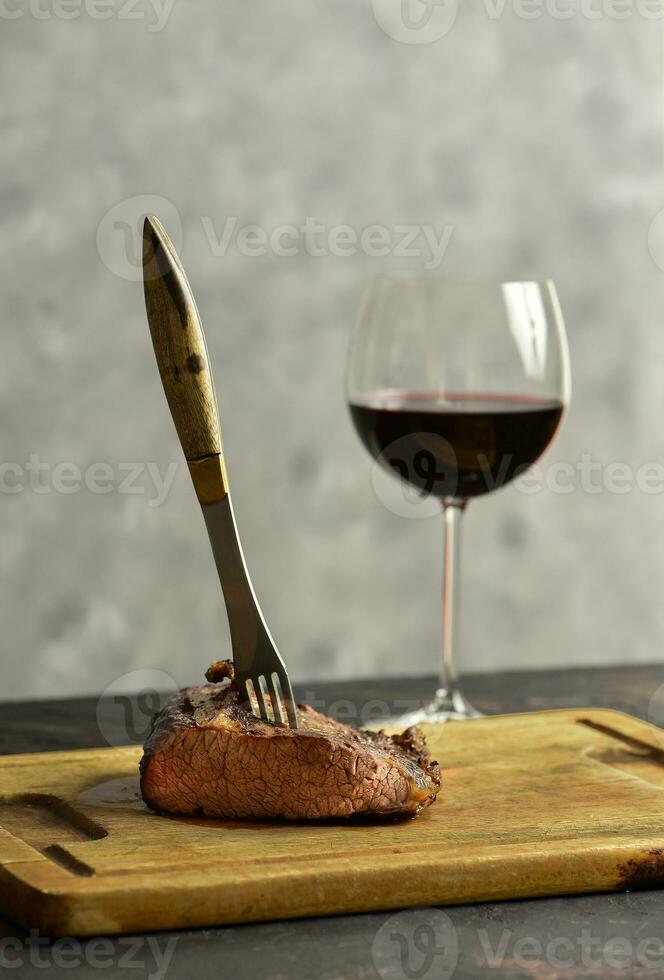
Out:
{"x": 182, "y": 356}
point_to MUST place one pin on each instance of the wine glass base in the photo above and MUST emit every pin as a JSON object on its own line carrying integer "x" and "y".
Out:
{"x": 446, "y": 706}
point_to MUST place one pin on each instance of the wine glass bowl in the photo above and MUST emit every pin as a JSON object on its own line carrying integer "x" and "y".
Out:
{"x": 456, "y": 389}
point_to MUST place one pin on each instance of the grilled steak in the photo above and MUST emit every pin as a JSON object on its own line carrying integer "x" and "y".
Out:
{"x": 208, "y": 754}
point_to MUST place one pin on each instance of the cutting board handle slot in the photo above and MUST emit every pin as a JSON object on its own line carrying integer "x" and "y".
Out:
{"x": 637, "y": 745}
{"x": 65, "y": 860}
{"x": 627, "y": 754}
{"x": 42, "y": 819}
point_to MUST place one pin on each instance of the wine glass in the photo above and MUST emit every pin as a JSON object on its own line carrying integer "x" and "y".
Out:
{"x": 456, "y": 388}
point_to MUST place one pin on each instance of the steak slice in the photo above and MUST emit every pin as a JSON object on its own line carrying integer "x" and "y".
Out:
{"x": 208, "y": 754}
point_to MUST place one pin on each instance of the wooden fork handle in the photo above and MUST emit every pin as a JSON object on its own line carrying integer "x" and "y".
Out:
{"x": 182, "y": 357}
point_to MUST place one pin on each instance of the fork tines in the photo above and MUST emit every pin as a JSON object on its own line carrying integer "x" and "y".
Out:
{"x": 268, "y": 701}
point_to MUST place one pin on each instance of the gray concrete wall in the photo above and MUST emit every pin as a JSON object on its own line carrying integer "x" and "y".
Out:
{"x": 537, "y": 138}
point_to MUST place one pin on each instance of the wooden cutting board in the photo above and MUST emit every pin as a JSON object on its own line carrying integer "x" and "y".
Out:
{"x": 534, "y": 804}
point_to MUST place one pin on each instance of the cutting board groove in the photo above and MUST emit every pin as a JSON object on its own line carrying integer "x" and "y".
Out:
{"x": 535, "y": 804}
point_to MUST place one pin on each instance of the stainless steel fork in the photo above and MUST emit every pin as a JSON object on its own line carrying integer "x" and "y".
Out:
{"x": 184, "y": 366}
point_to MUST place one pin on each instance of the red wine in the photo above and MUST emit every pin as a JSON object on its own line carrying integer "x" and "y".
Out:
{"x": 456, "y": 445}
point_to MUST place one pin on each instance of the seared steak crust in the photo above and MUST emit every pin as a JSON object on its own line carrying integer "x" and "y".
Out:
{"x": 207, "y": 754}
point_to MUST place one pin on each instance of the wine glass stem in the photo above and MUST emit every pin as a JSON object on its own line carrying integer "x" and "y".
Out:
{"x": 452, "y": 513}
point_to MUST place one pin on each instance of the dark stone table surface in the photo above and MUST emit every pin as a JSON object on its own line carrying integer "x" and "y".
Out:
{"x": 602, "y": 936}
